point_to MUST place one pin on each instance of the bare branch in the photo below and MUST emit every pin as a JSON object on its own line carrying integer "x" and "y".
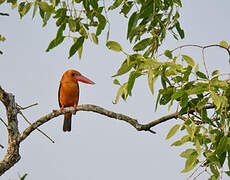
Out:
{"x": 4, "y": 14}
{"x": 105, "y": 112}
{"x": 23, "y": 108}
{"x": 85, "y": 107}
{"x": 3, "y": 122}
{"x": 14, "y": 138}
{"x": 12, "y": 156}
{"x": 198, "y": 46}
{"x": 24, "y": 117}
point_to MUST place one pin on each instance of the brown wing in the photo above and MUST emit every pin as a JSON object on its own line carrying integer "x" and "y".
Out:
{"x": 59, "y": 95}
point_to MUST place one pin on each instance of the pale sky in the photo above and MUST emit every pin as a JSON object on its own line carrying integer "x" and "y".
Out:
{"x": 98, "y": 148}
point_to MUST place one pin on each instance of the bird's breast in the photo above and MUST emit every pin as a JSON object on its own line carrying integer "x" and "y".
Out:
{"x": 69, "y": 94}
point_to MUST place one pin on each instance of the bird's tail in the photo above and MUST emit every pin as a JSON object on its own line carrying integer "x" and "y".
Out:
{"x": 67, "y": 122}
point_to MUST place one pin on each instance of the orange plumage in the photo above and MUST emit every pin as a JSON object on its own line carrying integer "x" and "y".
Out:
{"x": 68, "y": 93}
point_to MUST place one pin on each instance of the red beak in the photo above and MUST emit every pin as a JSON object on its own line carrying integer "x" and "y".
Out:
{"x": 84, "y": 79}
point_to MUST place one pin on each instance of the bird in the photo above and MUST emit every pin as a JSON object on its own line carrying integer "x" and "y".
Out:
{"x": 68, "y": 93}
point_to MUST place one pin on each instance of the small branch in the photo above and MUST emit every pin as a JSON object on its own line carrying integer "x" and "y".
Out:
{"x": 201, "y": 47}
{"x": 12, "y": 155}
{"x": 4, "y": 14}
{"x": 105, "y": 112}
{"x": 3, "y": 122}
{"x": 23, "y": 108}
{"x": 36, "y": 128}
{"x": 204, "y": 62}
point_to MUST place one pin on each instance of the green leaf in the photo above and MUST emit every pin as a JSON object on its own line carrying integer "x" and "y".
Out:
{"x": 202, "y": 103}
{"x": 20, "y": 8}
{"x": 23, "y": 8}
{"x": 123, "y": 69}
{"x": 128, "y": 59}
{"x": 46, "y": 18}
{"x": 189, "y": 130}
{"x": 198, "y": 147}
{"x": 54, "y": 43}
{"x": 189, "y": 60}
{"x": 179, "y": 30}
{"x": 122, "y": 91}
{"x": 216, "y": 72}
{"x": 218, "y": 83}
{"x": 178, "y": 94}
{"x": 80, "y": 52}
{"x": 178, "y": 2}
{"x": 76, "y": 46}
{"x": 61, "y": 30}
{"x": 217, "y": 100}
{"x": 173, "y": 131}
{"x": 102, "y": 23}
{"x": 227, "y": 172}
{"x": 214, "y": 170}
{"x": 143, "y": 44}
{"x": 187, "y": 153}
{"x": 197, "y": 68}
{"x": 35, "y": 8}
{"x": 177, "y": 143}
{"x": 115, "y": 4}
{"x": 46, "y": 7}
{"x": 168, "y": 54}
{"x": 183, "y": 140}
{"x": 166, "y": 96}
{"x": 132, "y": 77}
{"x": 198, "y": 88}
{"x": 94, "y": 37}
{"x": 114, "y": 46}
{"x": 191, "y": 162}
{"x": 224, "y": 44}
{"x": 132, "y": 23}
{"x": 213, "y": 177}
{"x": 126, "y": 7}
{"x": 72, "y": 25}
{"x": 23, "y": 177}
{"x": 151, "y": 80}
{"x": 201, "y": 75}
{"x": 115, "y": 81}
{"x": 187, "y": 73}
{"x": 222, "y": 145}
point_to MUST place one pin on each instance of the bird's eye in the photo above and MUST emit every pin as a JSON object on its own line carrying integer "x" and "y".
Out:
{"x": 72, "y": 74}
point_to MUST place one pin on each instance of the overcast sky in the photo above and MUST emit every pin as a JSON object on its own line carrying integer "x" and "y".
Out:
{"x": 98, "y": 148}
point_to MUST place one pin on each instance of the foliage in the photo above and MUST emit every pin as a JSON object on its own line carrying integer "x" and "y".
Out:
{"x": 202, "y": 99}
{"x": 23, "y": 177}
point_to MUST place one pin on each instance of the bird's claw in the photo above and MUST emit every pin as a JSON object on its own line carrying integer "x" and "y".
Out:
{"x": 61, "y": 109}
{"x": 75, "y": 106}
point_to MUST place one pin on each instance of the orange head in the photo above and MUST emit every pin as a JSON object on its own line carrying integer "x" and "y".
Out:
{"x": 75, "y": 76}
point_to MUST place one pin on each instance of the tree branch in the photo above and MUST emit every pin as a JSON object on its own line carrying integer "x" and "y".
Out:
{"x": 12, "y": 156}
{"x": 105, "y": 112}
{"x": 14, "y": 138}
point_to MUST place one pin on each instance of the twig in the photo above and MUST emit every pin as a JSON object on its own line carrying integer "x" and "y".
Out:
{"x": 107, "y": 19}
{"x": 197, "y": 168}
{"x": 23, "y": 108}
{"x": 3, "y": 122}
{"x": 204, "y": 62}
{"x": 198, "y": 46}
{"x": 199, "y": 174}
{"x": 36, "y": 128}
{"x": 2, "y": 146}
{"x": 4, "y": 14}
{"x": 105, "y": 112}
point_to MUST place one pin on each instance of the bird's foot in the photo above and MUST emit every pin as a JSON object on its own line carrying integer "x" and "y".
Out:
{"x": 61, "y": 109}
{"x": 75, "y": 106}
